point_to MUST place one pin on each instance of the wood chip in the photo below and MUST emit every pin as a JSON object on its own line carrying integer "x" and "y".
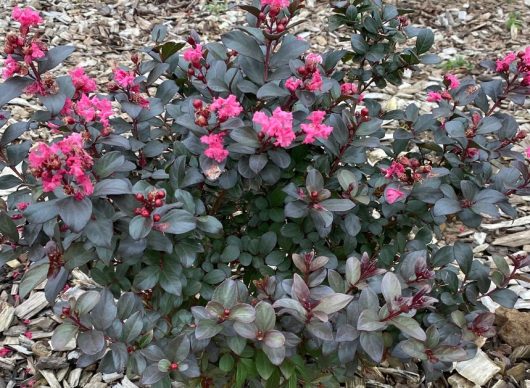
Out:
{"x": 7, "y": 314}
{"x": 32, "y": 306}
{"x": 507, "y": 224}
{"x": 50, "y": 378}
{"x": 479, "y": 370}
{"x": 513, "y": 240}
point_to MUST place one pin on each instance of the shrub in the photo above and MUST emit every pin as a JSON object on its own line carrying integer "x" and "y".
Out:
{"x": 225, "y": 198}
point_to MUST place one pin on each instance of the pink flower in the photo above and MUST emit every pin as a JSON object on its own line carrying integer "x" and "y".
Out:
{"x": 26, "y": 17}
{"x": 394, "y": 169}
{"x": 215, "y": 148}
{"x": 34, "y": 52}
{"x": 527, "y": 152}
{"x": 311, "y": 60}
{"x": 85, "y": 109}
{"x": 64, "y": 163}
{"x": 82, "y": 82}
{"x": 279, "y": 126}
{"x": 226, "y": 107}
{"x": 452, "y": 81}
{"x": 90, "y": 108}
{"x": 276, "y": 3}
{"x": 194, "y": 55}
{"x": 125, "y": 79}
{"x": 434, "y": 97}
{"x": 21, "y": 206}
{"x": 504, "y": 63}
{"x": 11, "y": 67}
{"x": 316, "y": 128}
{"x": 393, "y": 195}
{"x": 28, "y": 334}
{"x": 315, "y": 83}
{"x": 471, "y": 153}
{"x": 4, "y": 351}
{"x": 348, "y": 89}
{"x": 293, "y": 83}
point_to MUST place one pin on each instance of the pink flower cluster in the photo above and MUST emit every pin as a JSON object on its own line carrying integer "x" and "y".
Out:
{"x": 523, "y": 64}
{"x": 311, "y": 77}
{"x": 350, "y": 89}
{"x": 226, "y": 107}
{"x": 11, "y": 67}
{"x": 278, "y": 126}
{"x": 393, "y": 195}
{"x": 433, "y": 96}
{"x": 406, "y": 170}
{"x": 125, "y": 79}
{"x": 316, "y": 128}
{"x": 276, "y": 4}
{"x": 215, "y": 148}
{"x": 65, "y": 164}
{"x": 30, "y": 48}
{"x": 504, "y": 63}
{"x": 194, "y": 55}
{"x": 451, "y": 81}
{"x": 27, "y": 17}
{"x": 395, "y": 169}
{"x": 88, "y": 109}
{"x": 82, "y": 82}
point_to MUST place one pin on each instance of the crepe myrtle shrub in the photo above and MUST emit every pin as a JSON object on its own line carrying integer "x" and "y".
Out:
{"x": 225, "y": 200}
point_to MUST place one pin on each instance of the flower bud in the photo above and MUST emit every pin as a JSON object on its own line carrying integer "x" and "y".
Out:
{"x": 156, "y": 217}
{"x": 145, "y": 213}
{"x": 197, "y": 104}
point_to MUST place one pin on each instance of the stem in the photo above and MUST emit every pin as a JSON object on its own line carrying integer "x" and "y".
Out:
{"x": 267, "y": 60}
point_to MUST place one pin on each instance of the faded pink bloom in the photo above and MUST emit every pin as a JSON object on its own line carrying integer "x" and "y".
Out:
{"x": 527, "y": 152}
{"x": 452, "y": 81}
{"x": 316, "y": 128}
{"x": 395, "y": 168}
{"x": 36, "y": 88}
{"x": 28, "y": 334}
{"x": 27, "y": 17}
{"x": 393, "y": 195}
{"x": 279, "y": 126}
{"x": 82, "y": 82}
{"x": 276, "y": 3}
{"x": 226, "y": 107}
{"x": 311, "y": 60}
{"x": 215, "y": 148}
{"x": 504, "y": 63}
{"x": 194, "y": 55}
{"x": 293, "y": 83}
{"x": 11, "y": 67}
{"x": 315, "y": 83}
{"x": 434, "y": 97}
{"x": 4, "y": 351}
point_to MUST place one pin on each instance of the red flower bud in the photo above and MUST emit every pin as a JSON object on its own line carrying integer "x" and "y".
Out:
{"x": 156, "y": 217}
{"x": 174, "y": 366}
{"x": 145, "y": 213}
{"x": 160, "y": 194}
{"x": 197, "y": 104}
{"x": 159, "y": 203}
{"x": 139, "y": 197}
